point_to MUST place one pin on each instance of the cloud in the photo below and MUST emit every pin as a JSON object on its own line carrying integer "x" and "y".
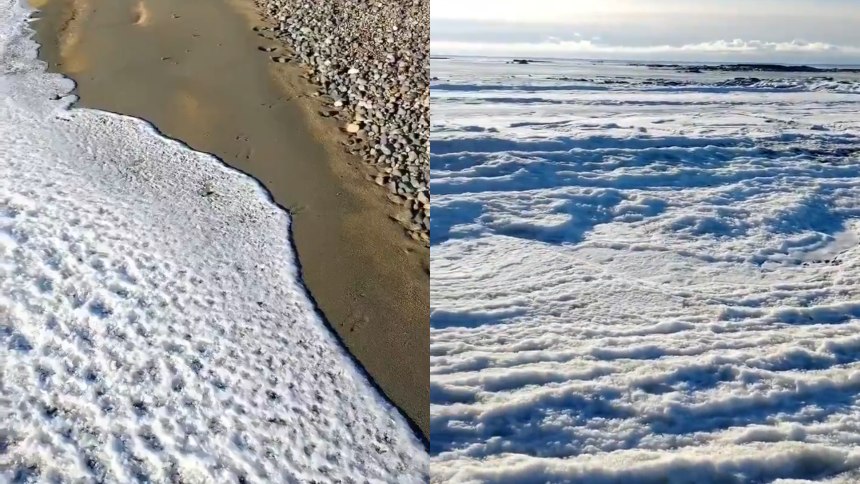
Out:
{"x": 554, "y": 47}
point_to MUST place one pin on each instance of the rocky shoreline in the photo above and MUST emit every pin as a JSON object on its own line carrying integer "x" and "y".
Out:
{"x": 370, "y": 62}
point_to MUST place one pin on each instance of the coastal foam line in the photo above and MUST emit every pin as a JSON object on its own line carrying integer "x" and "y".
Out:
{"x": 153, "y": 324}
{"x": 642, "y": 286}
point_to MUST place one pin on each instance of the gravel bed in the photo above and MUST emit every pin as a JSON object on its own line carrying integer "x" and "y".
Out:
{"x": 371, "y": 63}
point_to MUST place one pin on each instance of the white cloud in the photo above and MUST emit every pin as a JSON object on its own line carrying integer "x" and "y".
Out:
{"x": 637, "y": 28}
{"x": 591, "y": 48}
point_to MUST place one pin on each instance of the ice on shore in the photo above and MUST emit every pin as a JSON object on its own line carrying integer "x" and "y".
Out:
{"x": 643, "y": 276}
{"x": 152, "y": 324}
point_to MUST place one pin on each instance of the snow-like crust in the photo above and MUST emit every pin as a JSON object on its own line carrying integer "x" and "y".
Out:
{"x": 642, "y": 282}
{"x": 152, "y": 324}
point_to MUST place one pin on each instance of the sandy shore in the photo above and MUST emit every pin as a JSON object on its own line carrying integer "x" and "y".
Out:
{"x": 194, "y": 70}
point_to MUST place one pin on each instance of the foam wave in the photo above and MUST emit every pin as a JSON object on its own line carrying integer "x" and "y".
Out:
{"x": 643, "y": 283}
{"x": 152, "y": 323}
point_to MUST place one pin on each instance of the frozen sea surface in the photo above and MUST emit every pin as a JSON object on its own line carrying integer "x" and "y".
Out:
{"x": 643, "y": 276}
{"x": 152, "y": 324}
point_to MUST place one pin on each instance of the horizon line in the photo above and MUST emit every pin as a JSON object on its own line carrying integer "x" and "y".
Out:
{"x": 648, "y": 61}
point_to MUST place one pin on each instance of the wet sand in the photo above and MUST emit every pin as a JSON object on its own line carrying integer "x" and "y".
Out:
{"x": 194, "y": 70}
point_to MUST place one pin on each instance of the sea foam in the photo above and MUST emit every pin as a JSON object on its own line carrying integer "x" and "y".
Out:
{"x": 643, "y": 276}
{"x": 153, "y": 326}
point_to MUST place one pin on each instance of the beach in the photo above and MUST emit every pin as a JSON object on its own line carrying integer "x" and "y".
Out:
{"x": 200, "y": 73}
{"x": 154, "y": 324}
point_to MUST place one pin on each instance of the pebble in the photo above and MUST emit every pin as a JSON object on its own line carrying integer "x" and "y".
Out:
{"x": 388, "y": 97}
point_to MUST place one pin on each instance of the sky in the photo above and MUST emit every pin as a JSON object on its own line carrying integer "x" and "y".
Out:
{"x": 786, "y": 31}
